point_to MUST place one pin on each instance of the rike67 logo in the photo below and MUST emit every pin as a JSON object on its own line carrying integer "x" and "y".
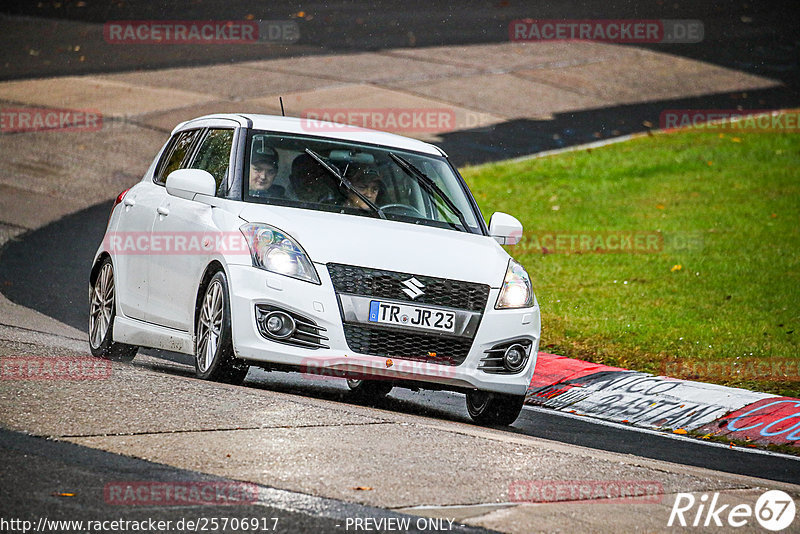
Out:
{"x": 774, "y": 510}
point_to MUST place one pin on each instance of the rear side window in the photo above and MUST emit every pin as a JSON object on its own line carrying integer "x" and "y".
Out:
{"x": 175, "y": 155}
{"x": 214, "y": 155}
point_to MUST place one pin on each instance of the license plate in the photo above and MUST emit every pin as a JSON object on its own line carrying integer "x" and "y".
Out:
{"x": 412, "y": 316}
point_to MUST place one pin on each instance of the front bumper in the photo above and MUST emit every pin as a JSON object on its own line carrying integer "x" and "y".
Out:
{"x": 250, "y": 286}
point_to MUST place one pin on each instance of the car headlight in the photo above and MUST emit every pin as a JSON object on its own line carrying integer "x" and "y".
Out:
{"x": 517, "y": 291}
{"x": 276, "y": 252}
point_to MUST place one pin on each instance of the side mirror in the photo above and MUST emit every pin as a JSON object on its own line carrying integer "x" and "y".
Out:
{"x": 186, "y": 183}
{"x": 505, "y": 229}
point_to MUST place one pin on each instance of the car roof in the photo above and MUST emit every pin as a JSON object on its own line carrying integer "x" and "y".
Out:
{"x": 316, "y": 128}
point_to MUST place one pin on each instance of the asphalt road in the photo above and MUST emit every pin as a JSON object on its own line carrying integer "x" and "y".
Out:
{"x": 755, "y": 37}
{"x": 57, "y": 481}
{"x": 47, "y": 270}
{"x": 554, "y": 426}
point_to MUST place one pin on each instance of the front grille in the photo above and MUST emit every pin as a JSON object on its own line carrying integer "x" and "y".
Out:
{"x": 388, "y": 284}
{"x": 394, "y": 342}
{"x": 390, "y": 342}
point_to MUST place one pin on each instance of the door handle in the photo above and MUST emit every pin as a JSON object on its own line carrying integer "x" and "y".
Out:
{"x": 129, "y": 202}
{"x": 162, "y": 211}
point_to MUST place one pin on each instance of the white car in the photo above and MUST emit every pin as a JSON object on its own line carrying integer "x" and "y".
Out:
{"x": 298, "y": 245}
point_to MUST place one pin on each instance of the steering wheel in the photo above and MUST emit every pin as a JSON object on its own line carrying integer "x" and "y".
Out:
{"x": 403, "y": 209}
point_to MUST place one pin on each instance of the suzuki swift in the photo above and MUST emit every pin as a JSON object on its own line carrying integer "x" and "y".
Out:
{"x": 300, "y": 245}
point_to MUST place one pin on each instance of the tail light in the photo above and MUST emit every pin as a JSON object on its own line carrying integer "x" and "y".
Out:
{"x": 117, "y": 201}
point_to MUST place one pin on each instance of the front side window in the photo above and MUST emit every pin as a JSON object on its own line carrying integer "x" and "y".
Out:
{"x": 175, "y": 155}
{"x": 214, "y": 155}
{"x": 395, "y": 184}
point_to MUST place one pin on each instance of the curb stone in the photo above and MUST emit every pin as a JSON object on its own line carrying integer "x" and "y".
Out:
{"x": 663, "y": 403}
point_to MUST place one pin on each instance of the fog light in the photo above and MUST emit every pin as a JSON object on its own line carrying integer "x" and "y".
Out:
{"x": 279, "y": 325}
{"x": 514, "y": 358}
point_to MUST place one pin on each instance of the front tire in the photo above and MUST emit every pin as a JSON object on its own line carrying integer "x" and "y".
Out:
{"x": 102, "y": 310}
{"x": 213, "y": 352}
{"x": 499, "y": 409}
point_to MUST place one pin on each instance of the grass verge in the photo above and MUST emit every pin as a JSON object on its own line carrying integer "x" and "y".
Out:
{"x": 678, "y": 252}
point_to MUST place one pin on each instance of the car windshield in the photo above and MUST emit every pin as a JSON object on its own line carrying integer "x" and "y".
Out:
{"x": 298, "y": 171}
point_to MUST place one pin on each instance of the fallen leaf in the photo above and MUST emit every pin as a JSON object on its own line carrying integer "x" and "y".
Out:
{"x": 710, "y": 163}
{"x": 707, "y": 436}
{"x": 389, "y": 362}
{"x": 736, "y": 139}
{"x": 249, "y": 16}
{"x": 679, "y": 431}
{"x": 61, "y": 494}
{"x": 676, "y": 268}
{"x": 659, "y": 206}
{"x": 363, "y": 488}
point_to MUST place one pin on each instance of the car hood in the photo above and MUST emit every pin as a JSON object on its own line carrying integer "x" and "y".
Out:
{"x": 390, "y": 245}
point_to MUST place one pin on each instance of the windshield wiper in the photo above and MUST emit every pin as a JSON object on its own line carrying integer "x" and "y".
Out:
{"x": 429, "y": 185}
{"x": 344, "y": 181}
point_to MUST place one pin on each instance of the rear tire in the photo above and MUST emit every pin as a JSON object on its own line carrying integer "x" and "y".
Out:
{"x": 213, "y": 351}
{"x": 102, "y": 311}
{"x": 369, "y": 389}
{"x": 499, "y": 409}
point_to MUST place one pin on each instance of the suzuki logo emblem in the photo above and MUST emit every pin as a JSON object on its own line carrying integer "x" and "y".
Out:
{"x": 413, "y": 287}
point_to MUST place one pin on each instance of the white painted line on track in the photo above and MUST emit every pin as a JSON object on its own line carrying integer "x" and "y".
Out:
{"x": 590, "y": 419}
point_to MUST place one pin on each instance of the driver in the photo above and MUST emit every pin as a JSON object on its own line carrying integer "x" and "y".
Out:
{"x": 368, "y": 182}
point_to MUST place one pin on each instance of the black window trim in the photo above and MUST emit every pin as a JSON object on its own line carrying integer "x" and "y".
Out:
{"x": 168, "y": 154}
